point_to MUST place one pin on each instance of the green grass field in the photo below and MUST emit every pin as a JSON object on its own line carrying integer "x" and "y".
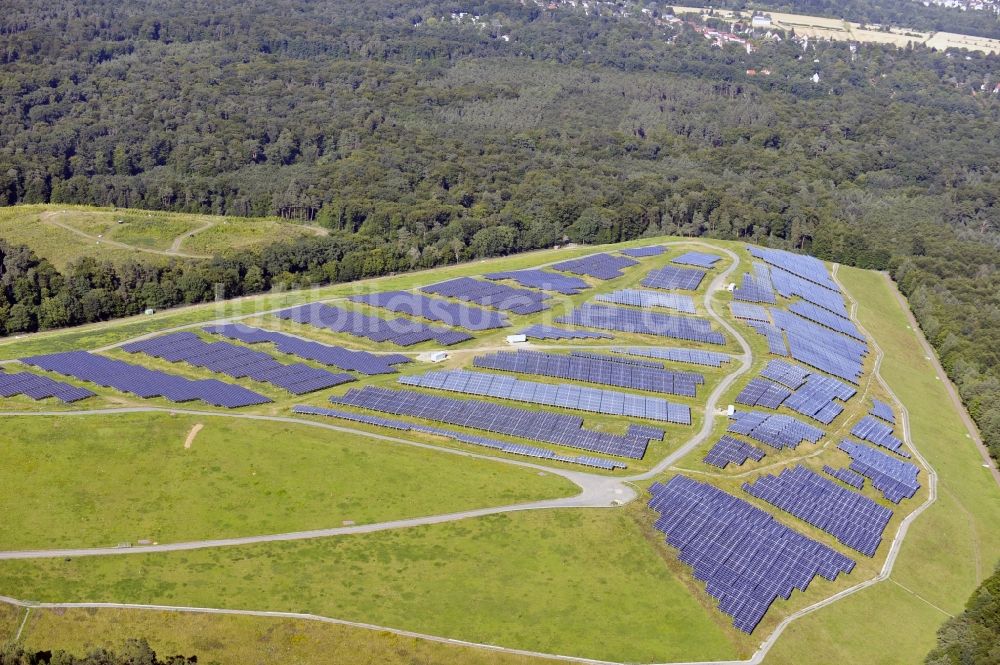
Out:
{"x": 100, "y": 480}
{"x": 238, "y": 640}
{"x": 582, "y": 582}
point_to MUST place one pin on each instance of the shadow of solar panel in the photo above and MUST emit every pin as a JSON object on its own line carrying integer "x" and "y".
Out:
{"x": 144, "y": 382}
{"x": 551, "y": 332}
{"x": 546, "y": 427}
{"x": 541, "y": 279}
{"x": 746, "y": 558}
{"x": 851, "y": 518}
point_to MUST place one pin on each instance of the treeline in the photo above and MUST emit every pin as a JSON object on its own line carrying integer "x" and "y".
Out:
{"x": 134, "y": 652}
{"x": 973, "y": 637}
{"x": 902, "y": 13}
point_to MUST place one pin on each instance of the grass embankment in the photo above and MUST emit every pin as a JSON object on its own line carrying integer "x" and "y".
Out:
{"x": 98, "y": 480}
{"x": 582, "y": 582}
{"x": 949, "y": 548}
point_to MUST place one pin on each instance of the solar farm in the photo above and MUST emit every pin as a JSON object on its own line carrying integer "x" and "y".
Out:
{"x": 717, "y": 401}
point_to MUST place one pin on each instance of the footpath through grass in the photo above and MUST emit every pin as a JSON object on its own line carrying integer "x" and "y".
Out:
{"x": 580, "y": 582}
{"x": 98, "y": 480}
{"x": 949, "y": 548}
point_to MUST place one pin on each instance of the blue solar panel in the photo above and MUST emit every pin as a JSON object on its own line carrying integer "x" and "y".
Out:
{"x": 649, "y": 250}
{"x": 237, "y": 362}
{"x": 556, "y": 428}
{"x": 403, "y": 332}
{"x": 601, "y": 266}
{"x": 541, "y": 279}
{"x": 474, "y": 439}
{"x": 672, "y": 277}
{"x": 644, "y": 298}
{"x": 729, "y": 449}
{"x": 552, "y": 332}
{"x": 874, "y": 431}
{"x": 852, "y": 518}
{"x": 882, "y": 410}
{"x": 776, "y": 430}
{"x": 434, "y": 309}
{"x": 693, "y": 356}
{"x": 852, "y": 478}
{"x": 756, "y": 287}
{"x": 749, "y": 312}
{"x": 746, "y": 558}
{"x": 894, "y": 478}
{"x": 39, "y": 387}
{"x": 805, "y": 267}
{"x": 700, "y": 259}
{"x": 643, "y": 322}
{"x": 490, "y": 294}
{"x": 564, "y": 395}
{"x": 593, "y": 369}
{"x": 143, "y": 381}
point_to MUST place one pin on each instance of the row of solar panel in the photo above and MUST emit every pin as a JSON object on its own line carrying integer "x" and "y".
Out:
{"x": 402, "y": 332}
{"x": 36, "y": 387}
{"x": 602, "y": 266}
{"x": 563, "y": 395}
{"x": 491, "y": 294}
{"x": 692, "y": 356}
{"x": 542, "y": 279}
{"x": 540, "y": 331}
{"x": 605, "y": 317}
{"x": 646, "y": 298}
{"x": 434, "y": 309}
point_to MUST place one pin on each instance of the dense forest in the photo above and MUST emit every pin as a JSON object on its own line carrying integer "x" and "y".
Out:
{"x": 902, "y": 13}
{"x": 973, "y": 637}
{"x": 133, "y": 652}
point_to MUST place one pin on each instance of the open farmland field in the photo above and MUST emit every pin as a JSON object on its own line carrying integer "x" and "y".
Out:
{"x": 413, "y": 537}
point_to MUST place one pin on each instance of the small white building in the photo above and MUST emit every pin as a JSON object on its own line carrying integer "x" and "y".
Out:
{"x": 438, "y": 356}
{"x": 517, "y": 339}
{"x": 731, "y": 410}
{"x": 760, "y": 21}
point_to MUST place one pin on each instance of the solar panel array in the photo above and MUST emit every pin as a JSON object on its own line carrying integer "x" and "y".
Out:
{"x": 693, "y": 356}
{"x": 638, "y": 362}
{"x": 756, "y": 287}
{"x": 474, "y": 439}
{"x": 144, "y": 382}
{"x": 801, "y": 265}
{"x": 775, "y": 338}
{"x": 402, "y": 332}
{"x": 894, "y": 478}
{"x": 592, "y": 370}
{"x": 877, "y": 432}
{"x": 540, "y": 331}
{"x": 335, "y": 356}
{"x": 644, "y": 298}
{"x": 852, "y": 478}
{"x": 601, "y": 266}
{"x": 822, "y": 348}
{"x": 646, "y": 432}
{"x": 882, "y": 410}
{"x": 540, "y": 279}
{"x": 648, "y": 250}
{"x": 557, "y": 428}
{"x": 238, "y": 362}
{"x": 563, "y": 395}
{"x": 746, "y": 557}
{"x": 776, "y": 430}
{"x": 749, "y": 312}
{"x": 729, "y": 449}
{"x": 815, "y": 398}
{"x": 38, "y": 387}
{"x": 760, "y": 392}
{"x": 826, "y": 318}
{"x": 700, "y": 259}
{"x": 490, "y": 294}
{"x": 672, "y": 277}
{"x": 434, "y": 309}
{"x": 852, "y": 518}
{"x": 785, "y": 373}
{"x": 607, "y": 317}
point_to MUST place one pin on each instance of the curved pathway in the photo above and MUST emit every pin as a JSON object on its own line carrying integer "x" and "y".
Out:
{"x": 49, "y": 216}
